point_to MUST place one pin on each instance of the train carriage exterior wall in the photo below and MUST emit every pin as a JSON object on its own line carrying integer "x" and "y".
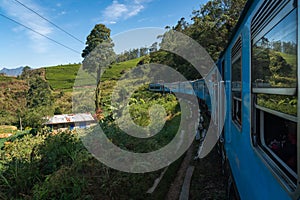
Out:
{"x": 258, "y": 171}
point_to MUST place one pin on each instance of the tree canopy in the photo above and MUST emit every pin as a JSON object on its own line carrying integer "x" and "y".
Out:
{"x": 98, "y": 54}
{"x": 212, "y": 26}
{"x": 98, "y": 35}
{"x": 39, "y": 100}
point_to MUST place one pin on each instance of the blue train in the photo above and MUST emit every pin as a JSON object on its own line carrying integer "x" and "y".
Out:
{"x": 259, "y": 68}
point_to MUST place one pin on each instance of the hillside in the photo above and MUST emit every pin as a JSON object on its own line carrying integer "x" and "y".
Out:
{"x": 62, "y": 77}
{"x": 58, "y": 166}
{"x": 61, "y": 80}
{"x": 12, "y": 99}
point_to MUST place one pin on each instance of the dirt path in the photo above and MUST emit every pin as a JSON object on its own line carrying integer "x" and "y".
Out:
{"x": 175, "y": 188}
{"x": 208, "y": 182}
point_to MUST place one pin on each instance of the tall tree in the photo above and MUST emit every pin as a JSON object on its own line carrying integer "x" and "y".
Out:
{"x": 98, "y": 54}
{"x": 39, "y": 103}
{"x": 98, "y": 35}
{"x": 25, "y": 73}
{"x": 213, "y": 24}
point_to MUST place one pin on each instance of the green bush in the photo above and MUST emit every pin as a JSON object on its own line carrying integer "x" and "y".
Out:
{"x": 62, "y": 184}
{"x": 58, "y": 150}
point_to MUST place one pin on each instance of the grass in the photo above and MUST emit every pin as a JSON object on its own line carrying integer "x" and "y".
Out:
{"x": 290, "y": 59}
{"x": 62, "y": 77}
{"x": 2, "y": 141}
{"x": 7, "y": 129}
{"x": 164, "y": 185}
{"x": 116, "y": 71}
{"x": 7, "y": 78}
{"x": 18, "y": 134}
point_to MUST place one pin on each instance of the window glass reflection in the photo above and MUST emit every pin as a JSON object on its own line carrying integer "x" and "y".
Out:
{"x": 274, "y": 56}
{"x": 280, "y": 103}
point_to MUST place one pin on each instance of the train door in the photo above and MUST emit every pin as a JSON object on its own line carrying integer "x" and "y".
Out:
{"x": 222, "y": 114}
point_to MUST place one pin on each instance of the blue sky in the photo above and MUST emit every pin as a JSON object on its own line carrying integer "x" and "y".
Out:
{"x": 21, "y": 47}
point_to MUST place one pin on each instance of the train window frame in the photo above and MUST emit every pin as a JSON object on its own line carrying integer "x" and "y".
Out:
{"x": 283, "y": 166}
{"x": 278, "y": 167}
{"x": 237, "y": 102}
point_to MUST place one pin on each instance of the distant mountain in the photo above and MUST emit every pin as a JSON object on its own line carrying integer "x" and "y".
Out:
{"x": 12, "y": 72}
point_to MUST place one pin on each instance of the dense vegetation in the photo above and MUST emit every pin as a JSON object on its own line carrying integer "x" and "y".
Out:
{"x": 62, "y": 77}
{"x": 44, "y": 165}
{"x": 212, "y": 26}
{"x": 57, "y": 166}
{"x": 12, "y": 99}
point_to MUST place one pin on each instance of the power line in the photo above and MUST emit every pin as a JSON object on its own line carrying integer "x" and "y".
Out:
{"x": 50, "y": 22}
{"x": 39, "y": 33}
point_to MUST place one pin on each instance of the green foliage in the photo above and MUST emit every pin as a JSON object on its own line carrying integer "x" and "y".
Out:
{"x": 176, "y": 62}
{"x": 212, "y": 26}
{"x": 62, "y": 76}
{"x": 26, "y": 73}
{"x": 284, "y": 104}
{"x": 23, "y": 149}
{"x": 214, "y": 23}
{"x": 17, "y": 135}
{"x": 26, "y": 161}
{"x": 98, "y": 55}
{"x": 140, "y": 103}
{"x": 114, "y": 72}
{"x": 6, "y": 78}
{"x": 143, "y": 100}
{"x": 59, "y": 150}
{"x": 8, "y": 129}
{"x": 132, "y": 54}
{"x": 12, "y": 98}
{"x": 39, "y": 93}
{"x": 260, "y": 63}
{"x": 98, "y": 35}
{"x": 65, "y": 183}
{"x": 275, "y": 68}
{"x": 144, "y": 60}
{"x": 57, "y": 166}
{"x": 39, "y": 103}
{"x": 20, "y": 172}
{"x": 49, "y": 166}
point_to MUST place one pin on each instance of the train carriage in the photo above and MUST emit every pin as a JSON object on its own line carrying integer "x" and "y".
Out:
{"x": 260, "y": 143}
{"x": 261, "y": 132}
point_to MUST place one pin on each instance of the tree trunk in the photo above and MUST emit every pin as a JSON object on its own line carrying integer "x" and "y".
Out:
{"x": 97, "y": 100}
{"x": 21, "y": 127}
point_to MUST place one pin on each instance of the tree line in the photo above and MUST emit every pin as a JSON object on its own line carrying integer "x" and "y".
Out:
{"x": 211, "y": 26}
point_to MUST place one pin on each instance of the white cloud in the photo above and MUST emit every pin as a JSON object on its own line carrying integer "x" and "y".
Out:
{"x": 31, "y": 20}
{"x": 136, "y": 9}
{"x": 118, "y": 11}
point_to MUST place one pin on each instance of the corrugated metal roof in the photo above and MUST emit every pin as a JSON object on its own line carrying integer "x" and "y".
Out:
{"x": 68, "y": 118}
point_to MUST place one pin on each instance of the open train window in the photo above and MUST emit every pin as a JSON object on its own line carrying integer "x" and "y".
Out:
{"x": 236, "y": 82}
{"x": 278, "y": 139}
{"x": 274, "y": 31}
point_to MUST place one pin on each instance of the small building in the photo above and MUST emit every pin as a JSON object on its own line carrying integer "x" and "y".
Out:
{"x": 71, "y": 121}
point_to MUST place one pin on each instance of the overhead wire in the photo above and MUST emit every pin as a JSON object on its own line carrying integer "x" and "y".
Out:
{"x": 35, "y": 12}
{"x": 43, "y": 35}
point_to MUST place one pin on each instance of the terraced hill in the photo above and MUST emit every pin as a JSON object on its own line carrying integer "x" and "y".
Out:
{"x": 61, "y": 79}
